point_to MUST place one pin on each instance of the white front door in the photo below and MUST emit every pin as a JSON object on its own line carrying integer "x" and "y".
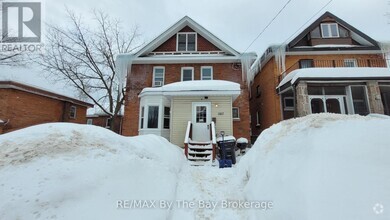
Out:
{"x": 201, "y": 119}
{"x": 328, "y": 103}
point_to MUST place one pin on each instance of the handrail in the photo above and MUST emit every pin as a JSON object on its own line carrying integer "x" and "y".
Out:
{"x": 213, "y": 134}
{"x": 188, "y": 132}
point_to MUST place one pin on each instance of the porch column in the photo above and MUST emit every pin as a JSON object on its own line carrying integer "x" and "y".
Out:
{"x": 303, "y": 107}
{"x": 374, "y": 97}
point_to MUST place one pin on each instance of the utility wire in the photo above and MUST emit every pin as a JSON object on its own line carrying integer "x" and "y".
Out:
{"x": 269, "y": 23}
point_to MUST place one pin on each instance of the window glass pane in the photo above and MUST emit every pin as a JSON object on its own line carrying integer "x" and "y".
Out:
{"x": 359, "y": 100}
{"x": 350, "y": 63}
{"x": 325, "y": 30}
{"x": 305, "y": 64}
{"x": 314, "y": 90}
{"x": 289, "y": 102}
{"x": 142, "y": 117}
{"x": 316, "y": 33}
{"x": 385, "y": 94}
{"x": 191, "y": 42}
{"x": 153, "y": 117}
{"x": 206, "y": 74}
{"x": 333, "y": 106}
{"x": 317, "y": 106}
{"x": 334, "y": 31}
{"x": 187, "y": 74}
{"x": 89, "y": 121}
{"x": 167, "y": 112}
{"x": 334, "y": 90}
{"x": 181, "y": 46}
{"x": 201, "y": 112}
{"x": 236, "y": 113}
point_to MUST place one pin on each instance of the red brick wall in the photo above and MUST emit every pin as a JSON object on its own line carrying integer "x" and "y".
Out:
{"x": 25, "y": 109}
{"x": 141, "y": 77}
{"x": 202, "y": 43}
{"x": 268, "y": 104}
{"x": 102, "y": 120}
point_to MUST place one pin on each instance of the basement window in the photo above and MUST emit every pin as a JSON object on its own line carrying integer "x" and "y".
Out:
{"x": 73, "y": 111}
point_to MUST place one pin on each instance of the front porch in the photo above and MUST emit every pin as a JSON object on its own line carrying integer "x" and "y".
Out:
{"x": 343, "y": 90}
{"x": 189, "y": 114}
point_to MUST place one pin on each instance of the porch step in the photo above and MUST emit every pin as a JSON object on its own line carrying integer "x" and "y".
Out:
{"x": 191, "y": 151}
{"x": 201, "y": 163}
{"x": 206, "y": 158}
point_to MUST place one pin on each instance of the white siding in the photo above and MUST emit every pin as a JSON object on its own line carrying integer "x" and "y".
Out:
{"x": 182, "y": 113}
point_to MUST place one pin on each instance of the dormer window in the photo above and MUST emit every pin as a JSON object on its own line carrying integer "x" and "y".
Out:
{"x": 330, "y": 30}
{"x": 186, "y": 41}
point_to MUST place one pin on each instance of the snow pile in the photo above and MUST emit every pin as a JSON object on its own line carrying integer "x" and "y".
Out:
{"x": 69, "y": 171}
{"x": 324, "y": 166}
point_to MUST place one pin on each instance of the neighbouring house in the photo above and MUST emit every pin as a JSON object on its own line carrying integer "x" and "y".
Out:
{"x": 23, "y": 105}
{"x": 187, "y": 85}
{"x": 102, "y": 119}
{"x": 329, "y": 67}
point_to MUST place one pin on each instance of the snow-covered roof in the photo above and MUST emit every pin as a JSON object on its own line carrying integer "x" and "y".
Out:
{"x": 347, "y": 73}
{"x": 196, "y": 87}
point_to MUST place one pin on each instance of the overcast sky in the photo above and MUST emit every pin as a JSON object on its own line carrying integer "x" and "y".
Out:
{"x": 236, "y": 22}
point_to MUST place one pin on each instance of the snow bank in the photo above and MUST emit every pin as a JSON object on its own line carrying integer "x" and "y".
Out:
{"x": 69, "y": 171}
{"x": 323, "y": 166}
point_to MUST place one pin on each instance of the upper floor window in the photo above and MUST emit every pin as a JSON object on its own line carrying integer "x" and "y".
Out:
{"x": 187, "y": 73}
{"x": 350, "y": 63}
{"x": 73, "y": 110}
{"x": 206, "y": 73}
{"x": 186, "y": 41}
{"x": 330, "y": 30}
{"x": 158, "y": 76}
{"x": 306, "y": 64}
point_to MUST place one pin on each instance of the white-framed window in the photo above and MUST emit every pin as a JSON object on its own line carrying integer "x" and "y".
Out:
{"x": 167, "y": 117}
{"x": 206, "y": 73}
{"x": 288, "y": 103}
{"x": 257, "y": 119}
{"x": 142, "y": 118}
{"x": 158, "y": 76}
{"x": 360, "y": 99}
{"x": 153, "y": 111}
{"x": 108, "y": 122}
{"x": 186, "y": 41}
{"x": 236, "y": 113}
{"x": 89, "y": 121}
{"x": 187, "y": 73}
{"x": 73, "y": 111}
{"x": 350, "y": 63}
{"x": 330, "y": 30}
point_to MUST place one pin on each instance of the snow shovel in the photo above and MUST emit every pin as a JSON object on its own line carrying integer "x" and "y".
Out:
{"x": 223, "y": 162}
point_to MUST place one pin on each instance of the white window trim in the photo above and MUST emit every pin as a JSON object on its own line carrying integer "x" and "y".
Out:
{"x": 206, "y": 67}
{"x": 186, "y": 33}
{"x": 238, "y": 110}
{"x": 284, "y": 104}
{"x": 187, "y": 68}
{"x": 75, "y": 112}
{"x": 89, "y": 121}
{"x": 164, "y": 117}
{"x": 154, "y": 72}
{"x": 354, "y": 61}
{"x": 329, "y": 30}
{"x": 146, "y": 119}
{"x": 350, "y": 105}
{"x": 142, "y": 125}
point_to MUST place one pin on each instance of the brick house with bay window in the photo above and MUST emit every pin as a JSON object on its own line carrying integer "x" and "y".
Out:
{"x": 187, "y": 85}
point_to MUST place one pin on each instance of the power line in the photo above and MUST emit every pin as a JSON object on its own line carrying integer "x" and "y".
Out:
{"x": 269, "y": 23}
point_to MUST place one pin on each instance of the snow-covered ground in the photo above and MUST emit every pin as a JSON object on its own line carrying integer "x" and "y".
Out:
{"x": 318, "y": 167}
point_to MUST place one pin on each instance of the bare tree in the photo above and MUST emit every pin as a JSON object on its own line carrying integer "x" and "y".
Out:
{"x": 84, "y": 56}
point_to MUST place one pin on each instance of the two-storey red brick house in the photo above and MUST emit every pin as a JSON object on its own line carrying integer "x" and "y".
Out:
{"x": 187, "y": 85}
{"x": 329, "y": 67}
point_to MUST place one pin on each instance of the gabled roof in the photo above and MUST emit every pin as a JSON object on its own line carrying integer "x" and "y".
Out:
{"x": 186, "y": 21}
{"x": 357, "y": 35}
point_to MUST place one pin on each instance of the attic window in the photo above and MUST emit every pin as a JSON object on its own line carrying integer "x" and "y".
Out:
{"x": 186, "y": 41}
{"x": 330, "y": 30}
